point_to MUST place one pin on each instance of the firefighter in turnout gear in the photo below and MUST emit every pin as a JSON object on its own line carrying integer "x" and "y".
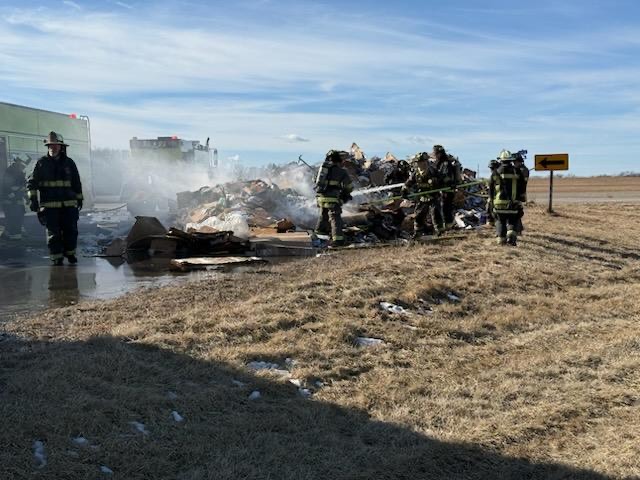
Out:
{"x": 13, "y": 196}
{"x": 518, "y": 163}
{"x": 450, "y": 175}
{"x": 55, "y": 177}
{"x": 333, "y": 189}
{"x": 505, "y": 188}
{"x": 491, "y": 216}
{"x": 425, "y": 177}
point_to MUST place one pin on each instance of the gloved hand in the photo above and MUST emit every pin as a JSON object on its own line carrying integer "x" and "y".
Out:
{"x": 79, "y": 205}
{"x": 34, "y": 206}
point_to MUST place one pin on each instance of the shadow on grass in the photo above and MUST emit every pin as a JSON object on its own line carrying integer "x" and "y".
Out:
{"x": 55, "y": 391}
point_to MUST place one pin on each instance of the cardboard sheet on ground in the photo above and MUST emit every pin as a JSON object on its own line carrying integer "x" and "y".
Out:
{"x": 207, "y": 263}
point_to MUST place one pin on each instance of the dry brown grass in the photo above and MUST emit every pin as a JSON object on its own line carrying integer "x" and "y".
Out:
{"x": 533, "y": 374}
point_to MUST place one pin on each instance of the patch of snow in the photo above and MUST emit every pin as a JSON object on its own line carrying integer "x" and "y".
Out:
{"x": 369, "y": 342}
{"x": 106, "y": 470}
{"x": 392, "y": 308}
{"x": 305, "y": 392}
{"x": 177, "y": 417}
{"x": 80, "y": 441}
{"x": 255, "y": 395}
{"x": 39, "y": 454}
{"x": 139, "y": 427}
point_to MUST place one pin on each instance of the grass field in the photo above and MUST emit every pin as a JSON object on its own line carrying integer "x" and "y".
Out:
{"x": 513, "y": 363}
{"x": 585, "y": 189}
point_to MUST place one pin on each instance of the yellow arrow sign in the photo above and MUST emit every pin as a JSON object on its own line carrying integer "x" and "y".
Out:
{"x": 552, "y": 161}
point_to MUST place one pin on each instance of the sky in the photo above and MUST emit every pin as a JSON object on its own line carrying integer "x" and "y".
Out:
{"x": 269, "y": 80}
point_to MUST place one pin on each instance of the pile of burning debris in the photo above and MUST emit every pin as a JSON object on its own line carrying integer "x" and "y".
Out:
{"x": 243, "y": 217}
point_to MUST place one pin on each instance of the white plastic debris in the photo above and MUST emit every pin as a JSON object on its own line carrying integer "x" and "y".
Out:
{"x": 139, "y": 427}
{"x": 369, "y": 342}
{"x": 296, "y": 382}
{"x": 177, "y": 417}
{"x": 39, "y": 454}
{"x": 319, "y": 384}
{"x": 453, "y": 297}
{"x": 80, "y": 441}
{"x": 290, "y": 362}
{"x": 106, "y": 470}
{"x": 392, "y": 308}
{"x": 233, "y": 221}
{"x": 255, "y": 395}
{"x": 172, "y": 395}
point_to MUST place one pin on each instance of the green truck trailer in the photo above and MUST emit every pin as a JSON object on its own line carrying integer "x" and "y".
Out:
{"x": 23, "y": 129}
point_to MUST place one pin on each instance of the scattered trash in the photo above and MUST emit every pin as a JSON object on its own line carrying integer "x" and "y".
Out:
{"x": 106, "y": 470}
{"x": 319, "y": 384}
{"x": 177, "y": 417}
{"x": 392, "y": 308}
{"x": 255, "y": 395}
{"x": 296, "y": 382}
{"x": 368, "y": 342}
{"x": 139, "y": 427}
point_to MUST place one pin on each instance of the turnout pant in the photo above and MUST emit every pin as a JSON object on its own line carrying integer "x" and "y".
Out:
{"x": 447, "y": 207}
{"x": 428, "y": 207}
{"x": 506, "y": 223}
{"x": 62, "y": 231}
{"x": 330, "y": 221}
{"x": 13, "y": 221}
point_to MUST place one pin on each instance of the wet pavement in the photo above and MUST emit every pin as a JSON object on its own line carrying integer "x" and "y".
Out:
{"x": 28, "y": 283}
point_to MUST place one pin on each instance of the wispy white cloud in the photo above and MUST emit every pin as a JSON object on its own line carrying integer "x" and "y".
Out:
{"x": 124, "y": 5}
{"x": 294, "y": 138}
{"x": 72, "y": 4}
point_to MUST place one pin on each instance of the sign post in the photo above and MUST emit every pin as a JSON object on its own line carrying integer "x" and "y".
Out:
{"x": 551, "y": 162}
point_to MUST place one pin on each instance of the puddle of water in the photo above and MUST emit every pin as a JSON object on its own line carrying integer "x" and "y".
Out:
{"x": 28, "y": 283}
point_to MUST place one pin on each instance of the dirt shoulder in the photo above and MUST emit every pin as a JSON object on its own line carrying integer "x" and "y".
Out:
{"x": 513, "y": 363}
{"x": 585, "y": 190}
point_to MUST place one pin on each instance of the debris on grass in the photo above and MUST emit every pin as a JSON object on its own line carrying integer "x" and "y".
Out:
{"x": 453, "y": 297}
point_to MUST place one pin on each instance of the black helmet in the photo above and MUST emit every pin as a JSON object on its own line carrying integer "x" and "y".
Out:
{"x": 335, "y": 156}
{"x": 493, "y": 164}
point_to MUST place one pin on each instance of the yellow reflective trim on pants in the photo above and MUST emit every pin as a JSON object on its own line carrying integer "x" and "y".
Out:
{"x": 70, "y": 252}
{"x": 56, "y": 256}
{"x": 64, "y": 203}
{"x": 79, "y": 196}
{"x": 334, "y": 183}
{"x": 55, "y": 183}
{"x": 32, "y": 193}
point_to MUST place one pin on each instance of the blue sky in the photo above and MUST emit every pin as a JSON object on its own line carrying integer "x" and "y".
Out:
{"x": 268, "y": 80}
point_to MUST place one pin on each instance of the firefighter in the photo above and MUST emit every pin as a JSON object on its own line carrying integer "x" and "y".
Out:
{"x": 425, "y": 177}
{"x": 13, "y": 197}
{"x": 518, "y": 163}
{"x": 450, "y": 176}
{"x": 491, "y": 216}
{"x": 333, "y": 189}
{"x": 505, "y": 188}
{"x": 55, "y": 177}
